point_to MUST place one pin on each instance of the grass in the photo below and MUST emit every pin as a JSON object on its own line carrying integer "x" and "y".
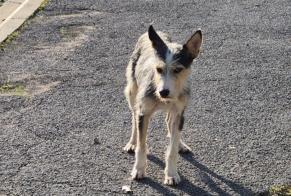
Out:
{"x": 42, "y": 5}
{"x": 280, "y": 190}
{"x": 13, "y": 89}
{"x": 277, "y": 190}
{"x": 10, "y": 38}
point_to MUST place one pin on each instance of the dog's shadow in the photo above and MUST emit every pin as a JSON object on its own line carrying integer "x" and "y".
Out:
{"x": 188, "y": 187}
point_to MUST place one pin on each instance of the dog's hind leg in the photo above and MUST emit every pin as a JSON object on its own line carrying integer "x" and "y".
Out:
{"x": 130, "y": 93}
{"x": 139, "y": 167}
{"x": 183, "y": 148}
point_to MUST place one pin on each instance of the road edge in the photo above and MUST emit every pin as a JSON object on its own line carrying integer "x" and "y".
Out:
{"x": 13, "y": 13}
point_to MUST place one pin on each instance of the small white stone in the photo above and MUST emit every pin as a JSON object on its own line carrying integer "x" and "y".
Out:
{"x": 126, "y": 189}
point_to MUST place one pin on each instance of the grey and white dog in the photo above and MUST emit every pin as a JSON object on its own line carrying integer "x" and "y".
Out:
{"x": 158, "y": 79}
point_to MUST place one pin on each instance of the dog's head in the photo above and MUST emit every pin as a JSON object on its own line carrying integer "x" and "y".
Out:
{"x": 173, "y": 68}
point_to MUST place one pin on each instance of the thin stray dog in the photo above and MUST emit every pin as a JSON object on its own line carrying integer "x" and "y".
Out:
{"x": 157, "y": 78}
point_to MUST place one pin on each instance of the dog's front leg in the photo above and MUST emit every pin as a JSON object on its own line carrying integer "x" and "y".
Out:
{"x": 139, "y": 167}
{"x": 183, "y": 148}
{"x": 171, "y": 174}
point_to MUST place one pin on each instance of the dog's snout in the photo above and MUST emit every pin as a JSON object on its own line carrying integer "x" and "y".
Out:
{"x": 164, "y": 93}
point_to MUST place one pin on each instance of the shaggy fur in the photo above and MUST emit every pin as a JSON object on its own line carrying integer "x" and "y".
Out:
{"x": 158, "y": 79}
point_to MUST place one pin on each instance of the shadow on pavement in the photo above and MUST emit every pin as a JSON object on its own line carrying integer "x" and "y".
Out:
{"x": 206, "y": 175}
{"x": 188, "y": 187}
{"x": 157, "y": 186}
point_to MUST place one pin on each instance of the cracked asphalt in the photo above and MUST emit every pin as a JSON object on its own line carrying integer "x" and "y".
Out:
{"x": 66, "y": 138}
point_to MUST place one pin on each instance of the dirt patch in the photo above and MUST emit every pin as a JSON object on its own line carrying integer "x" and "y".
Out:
{"x": 25, "y": 85}
{"x": 41, "y": 88}
{"x": 72, "y": 37}
{"x": 65, "y": 15}
{"x": 75, "y": 34}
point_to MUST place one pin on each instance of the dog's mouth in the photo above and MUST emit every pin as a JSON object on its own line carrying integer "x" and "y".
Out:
{"x": 167, "y": 99}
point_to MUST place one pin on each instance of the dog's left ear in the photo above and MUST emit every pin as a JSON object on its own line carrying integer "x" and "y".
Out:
{"x": 194, "y": 43}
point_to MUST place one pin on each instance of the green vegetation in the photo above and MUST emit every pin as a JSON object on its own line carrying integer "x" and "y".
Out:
{"x": 277, "y": 190}
{"x": 42, "y": 5}
{"x": 10, "y": 38}
{"x": 13, "y": 89}
{"x": 280, "y": 190}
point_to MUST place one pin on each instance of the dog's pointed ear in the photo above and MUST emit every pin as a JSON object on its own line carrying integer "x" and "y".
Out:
{"x": 154, "y": 37}
{"x": 158, "y": 44}
{"x": 194, "y": 43}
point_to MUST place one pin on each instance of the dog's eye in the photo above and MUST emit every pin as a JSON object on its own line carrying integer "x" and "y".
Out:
{"x": 159, "y": 70}
{"x": 178, "y": 70}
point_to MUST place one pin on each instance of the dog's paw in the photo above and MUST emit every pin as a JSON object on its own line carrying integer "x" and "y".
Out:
{"x": 183, "y": 148}
{"x": 137, "y": 174}
{"x": 130, "y": 147}
{"x": 172, "y": 180}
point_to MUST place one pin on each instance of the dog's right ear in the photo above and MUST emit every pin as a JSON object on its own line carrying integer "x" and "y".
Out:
{"x": 194, "y": 43}
{"x": 158, "y": 44}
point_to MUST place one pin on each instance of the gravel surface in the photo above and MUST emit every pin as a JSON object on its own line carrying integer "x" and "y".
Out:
{"x": 66, "y": 138}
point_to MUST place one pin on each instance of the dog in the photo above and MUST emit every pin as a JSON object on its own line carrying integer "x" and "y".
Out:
{"x": 158, "y": 79}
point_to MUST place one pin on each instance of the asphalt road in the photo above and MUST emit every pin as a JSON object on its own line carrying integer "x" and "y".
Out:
{"x": 67, "y": 137}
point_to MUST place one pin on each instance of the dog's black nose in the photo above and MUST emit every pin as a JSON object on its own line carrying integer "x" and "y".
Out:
{"x": 164, "y": 93}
